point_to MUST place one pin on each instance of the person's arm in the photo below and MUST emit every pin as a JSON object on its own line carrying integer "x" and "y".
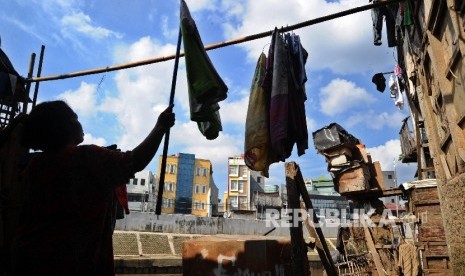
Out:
{"x": 145, "y": 151}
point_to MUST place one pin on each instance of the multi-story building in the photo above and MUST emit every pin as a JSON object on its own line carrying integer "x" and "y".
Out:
{"x": 242, "y": 183}
{"x": 141, "y": 191}
{"x": 189, "y": 187}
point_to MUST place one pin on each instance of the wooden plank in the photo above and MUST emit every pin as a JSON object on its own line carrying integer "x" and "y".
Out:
{"x": 372, "y": 248}
{"x": 299, "y": 258}
{"x": 293, "y": 173}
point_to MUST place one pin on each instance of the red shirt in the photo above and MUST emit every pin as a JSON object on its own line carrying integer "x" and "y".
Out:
{"x": 65, "y": 226}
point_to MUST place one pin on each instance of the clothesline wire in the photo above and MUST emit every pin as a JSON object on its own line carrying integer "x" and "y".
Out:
{"x": 216, "y": 45}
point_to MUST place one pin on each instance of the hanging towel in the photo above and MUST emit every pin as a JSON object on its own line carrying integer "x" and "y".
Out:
{"x": 396, "y": 93}
{"x": 279, "y": 104}
{"x": 257, "y": 139}
{"x": 205, "y": 85}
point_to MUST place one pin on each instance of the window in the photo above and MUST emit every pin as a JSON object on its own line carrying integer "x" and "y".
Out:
{"x": 233, "y": 201}
{"x": 389, "y": 176}
{"x": 142, "y": 182}
{"x": 244, "y": 171}
{"x": 241, "y": 185}
{"x": 197, "y": 171}
{"x": 259, "y": 179}
{"x": 172, "y": 168}
{"x": 233, "y": 185}
{"x": 233, "y": 170}
{"x": 169, "y": 202}
{"x": 203, "y": 205}
{"x": 392, "y": 200}
{"x": 197, "y": 188}
{"x": 205, "y": 171}
{"x": 134, "y": 181}
{"x": 196, "y": 205}
{"x": 204, "y": 189}
{"x": 170, "y": 187}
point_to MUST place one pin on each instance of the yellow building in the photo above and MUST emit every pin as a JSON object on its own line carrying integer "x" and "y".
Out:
{"x": 189, "y": 186}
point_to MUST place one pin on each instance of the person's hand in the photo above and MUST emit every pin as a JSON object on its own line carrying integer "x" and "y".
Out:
{"x": 166, "y": 118}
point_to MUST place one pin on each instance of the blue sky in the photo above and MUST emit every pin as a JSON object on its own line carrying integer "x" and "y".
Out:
{"x": 121, "y": 107}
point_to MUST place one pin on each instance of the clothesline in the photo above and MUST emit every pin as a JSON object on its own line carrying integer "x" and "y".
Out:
{"x": 215, "y": 45}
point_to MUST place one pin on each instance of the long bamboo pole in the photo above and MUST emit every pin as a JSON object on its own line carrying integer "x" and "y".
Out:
{"x": 215, "y": 45}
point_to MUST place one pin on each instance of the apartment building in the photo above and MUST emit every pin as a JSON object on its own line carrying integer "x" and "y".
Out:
{"x": 141, "y": 192}
{"x": 189, "y": 187}
{"x": 242, "y": 183}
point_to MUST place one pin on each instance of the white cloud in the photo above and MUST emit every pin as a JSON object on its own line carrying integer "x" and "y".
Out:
{"x": 377, "y": 121}
{"x": 89, "y": 139}
{"x": 341, "y": 95}
{"x": 388, "y": 155}
{"x": 343, "y": 45}
{"x": 234, "y": 111}
{"x": 82, "y": 23}
{"x": 81, "y": 100}
{"x": 197, "y": 5}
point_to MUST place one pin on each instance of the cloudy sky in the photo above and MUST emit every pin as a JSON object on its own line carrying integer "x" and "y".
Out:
{"x": 121, "y": 107}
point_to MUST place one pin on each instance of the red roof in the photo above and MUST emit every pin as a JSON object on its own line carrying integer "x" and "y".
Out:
{"x": 394, "y": 207}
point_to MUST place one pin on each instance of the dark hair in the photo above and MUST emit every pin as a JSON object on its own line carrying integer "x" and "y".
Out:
{"x": 47, "y": 126}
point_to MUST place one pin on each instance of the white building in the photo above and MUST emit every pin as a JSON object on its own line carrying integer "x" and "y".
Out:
{"x": 141, "y": 192}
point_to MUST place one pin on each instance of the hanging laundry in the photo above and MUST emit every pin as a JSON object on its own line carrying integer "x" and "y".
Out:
{"x": 388, "y": 12}
{"x": 396, "y": 93}
{"x": 279, "y": 102}
{"x": 297, "y": 57}
{"x": 205, "y": 86}
{"x": 380, "y": 81}
{"x": 258, "y": 154}
{"x": 284, "y": 82}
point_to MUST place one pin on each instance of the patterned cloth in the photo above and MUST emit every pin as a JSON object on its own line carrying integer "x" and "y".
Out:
{"x": 66, "y": 224}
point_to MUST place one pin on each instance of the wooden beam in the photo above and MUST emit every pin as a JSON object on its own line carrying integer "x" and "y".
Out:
{"x": 294, "y": 177}
{"x": 299, "y": 262}
{"x": 372, "y": 248}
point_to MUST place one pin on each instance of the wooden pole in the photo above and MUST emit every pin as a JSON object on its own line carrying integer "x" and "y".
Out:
{"x": 293, "y": 172}
{"x": 299, "y": 260}
{"x": 219, "y": 44}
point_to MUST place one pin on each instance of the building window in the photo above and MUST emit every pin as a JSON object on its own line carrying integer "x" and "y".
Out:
{"x": 233, "y": 170}
{"x": 172, "y": 168}
{"x": 233, "y": 185}
{"x": 204, "y": 189}
{"x": 259, "y": 179}
{"x": 196, "y": 205}
{"x": 169, "y": 202}
{"x": 203, "y": 205}
{"x": 241, "y": 186}
{"x": 389, "y": 176}
{"x": 134, "y": 181}
{"x": 234, "y": 202}
{"x": 392, "y": 200}
{"x": 204, "y": 171}
{"x": 142, "y": 182}
{"x": 244, "y": 171}
{"x": 197, "y": 171}
{"x": 197, "y": 188}
{"x": 170, "y": 187}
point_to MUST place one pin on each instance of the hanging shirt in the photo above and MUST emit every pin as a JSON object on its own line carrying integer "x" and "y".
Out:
{"x": 205, "y": 86}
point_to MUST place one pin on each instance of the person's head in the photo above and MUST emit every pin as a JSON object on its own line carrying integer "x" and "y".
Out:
{"x": 51, "y": 126}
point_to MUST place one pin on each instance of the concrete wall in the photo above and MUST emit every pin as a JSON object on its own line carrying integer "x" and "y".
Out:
{"x": 189, "y": 224}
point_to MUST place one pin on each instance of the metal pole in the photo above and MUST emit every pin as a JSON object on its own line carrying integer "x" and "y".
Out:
{"x": 161, "y": 184}
{"x": 28, "y": 83}
{"x": 39, "y": 72}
